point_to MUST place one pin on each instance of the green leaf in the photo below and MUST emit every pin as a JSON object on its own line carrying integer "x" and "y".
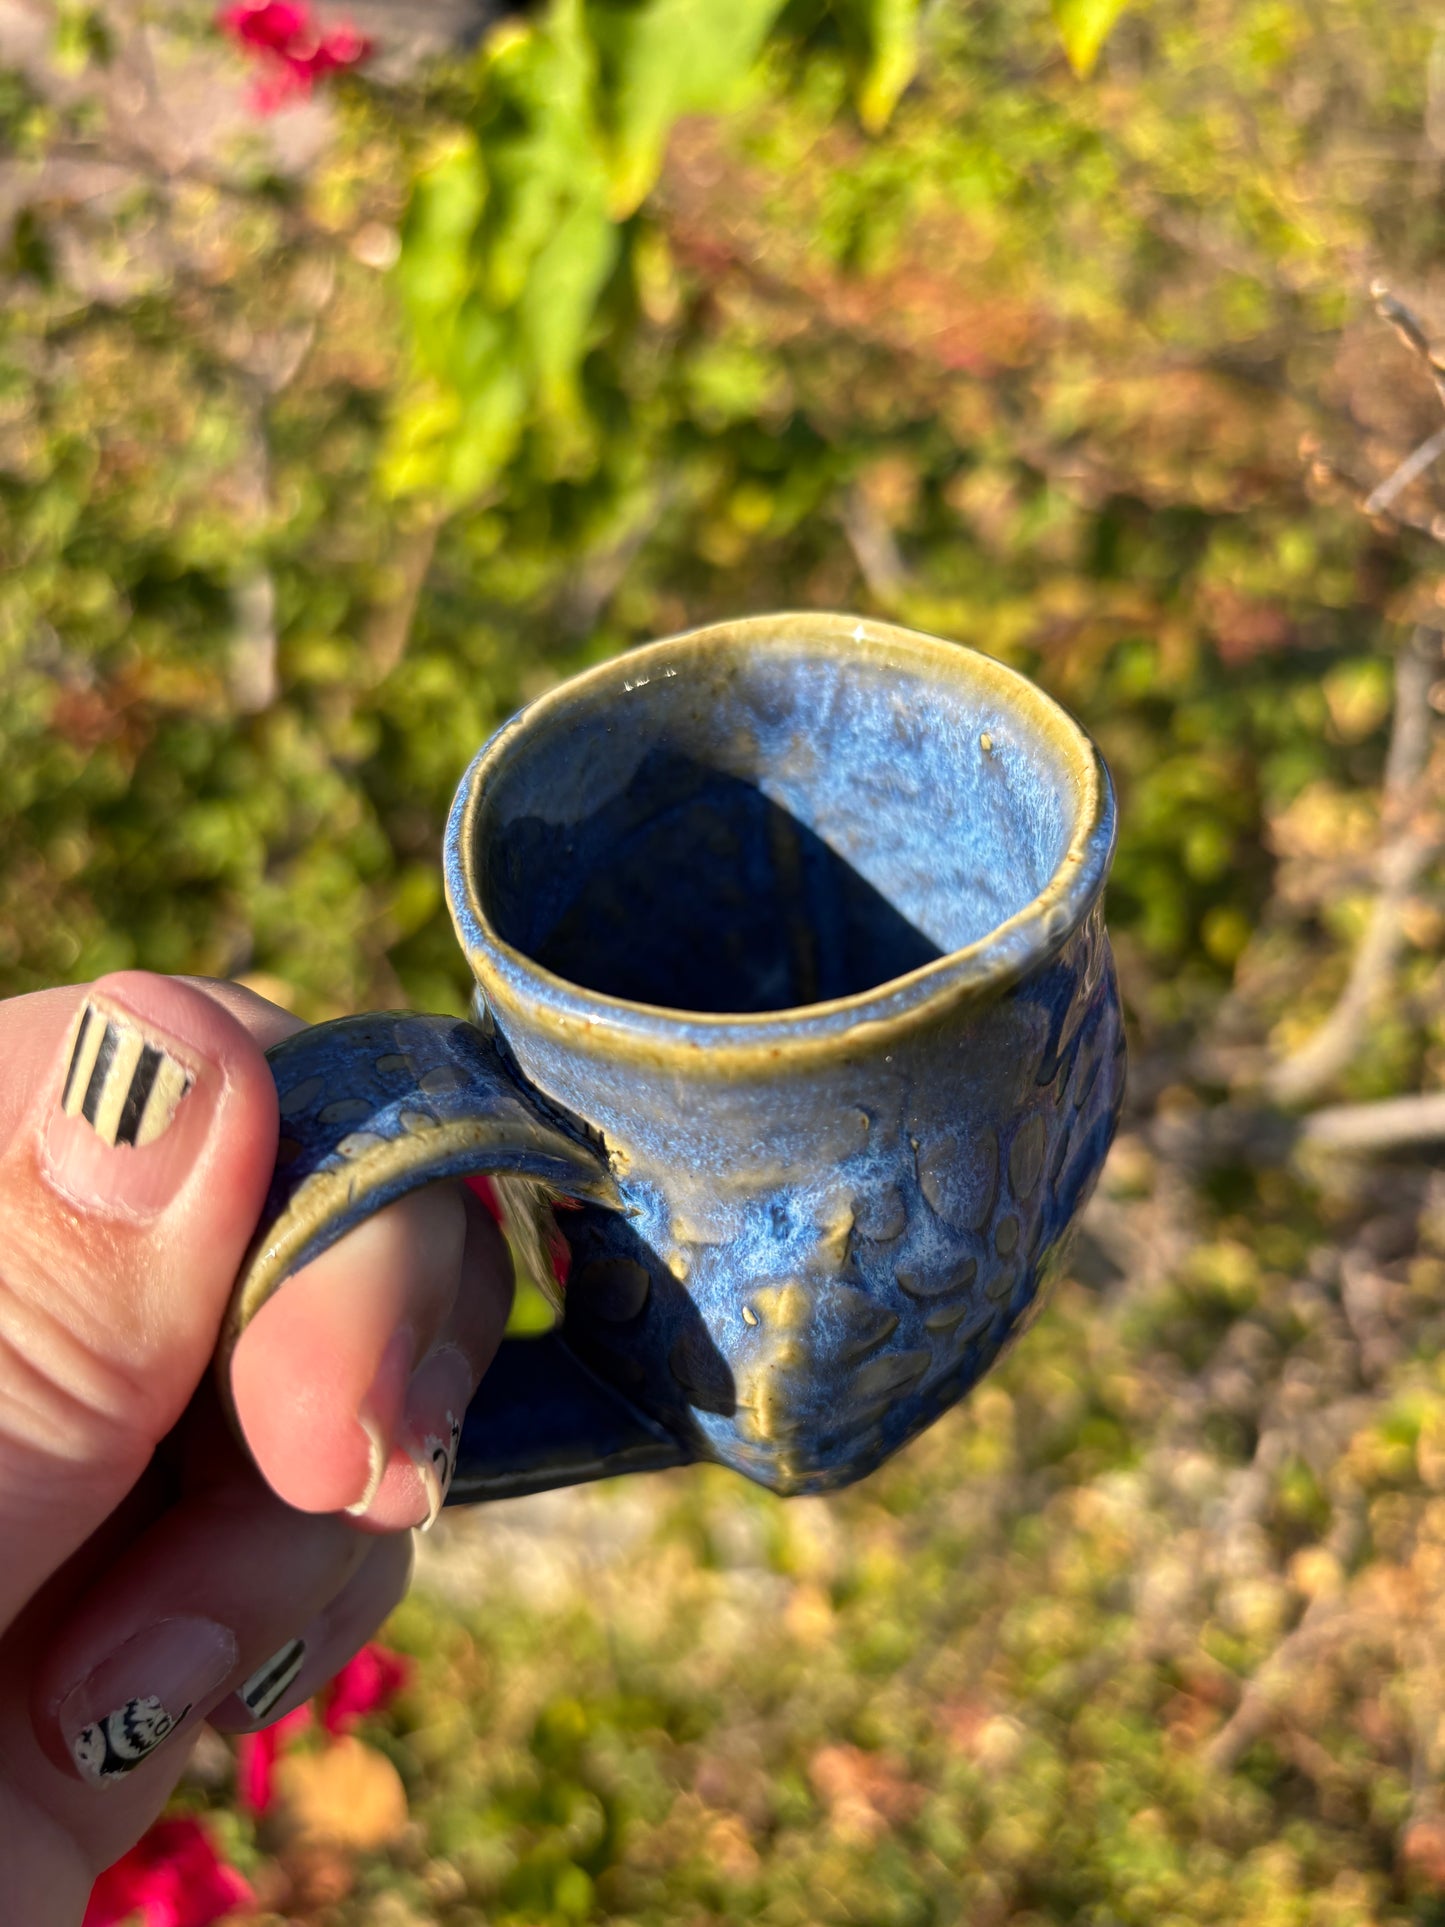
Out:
{"x": 1084, "y": 26}
{"x": 433, "y": 269}
{"x": 539, "y": 143}
{"x": 663, "y": 58}
{"x": 557, "y": 304}
{"x": 491, "y": 423}
{"x": 506, "y": 247}
{"x": 885, "y": 34}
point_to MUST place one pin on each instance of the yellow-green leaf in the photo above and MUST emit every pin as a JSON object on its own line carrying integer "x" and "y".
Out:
{"x": 1084, "y": 26}
{"x": 885, "y": 34}
{"x": 557, "y": 303}
{"x": 663, "y": 58}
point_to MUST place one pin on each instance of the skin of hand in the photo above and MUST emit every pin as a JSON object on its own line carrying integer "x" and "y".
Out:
{"x": 156, "y": 1574}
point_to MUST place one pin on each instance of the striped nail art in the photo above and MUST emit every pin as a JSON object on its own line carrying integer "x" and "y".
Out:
{"x": 265, "y": 1687}
{"x": 127, "y": 1089}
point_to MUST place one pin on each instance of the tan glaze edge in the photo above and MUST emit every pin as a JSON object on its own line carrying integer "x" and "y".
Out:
{"x": 626, "y": 1032}
{"x": 314, "y": 1204}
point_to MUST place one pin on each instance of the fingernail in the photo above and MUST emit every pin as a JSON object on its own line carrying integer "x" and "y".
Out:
{"x": 269, "y": 1683}
{"x": 436, "y": 1404}
{"x": 380, "y": 1414}
{"x": 143, "y": 1694}
{"x": 122, "y": 1089}
{"x": 377, "y": 1455}
{"x": 127, "y": 1087}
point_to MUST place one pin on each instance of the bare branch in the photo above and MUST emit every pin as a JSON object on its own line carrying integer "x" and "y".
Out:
{"x": 1387, "y": 1125}
{"x": 1411, "y": 839}
{"x": 875, "y": 548}
{"x": 1410, "y": 470}
{"x": 1326, "y": 1619}
{"x": 1378, "y": 502}
{"x": 1267, "y": 1691}
{"x": 388, "y": 627}
{"x": 1410, "y": 332}
{"x": 588, "y": 593}
{"x": 1222, "y": 1134}
{"x": 252, "y": 658}
{"x": 1324, "y": 468}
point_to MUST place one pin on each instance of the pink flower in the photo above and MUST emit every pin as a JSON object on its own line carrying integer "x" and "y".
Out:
{"x": 256, "y": 1756}
{"x": 291, "y": 51}
{"x": 173, "y": 1878}
{"x": 364, "y": 1685}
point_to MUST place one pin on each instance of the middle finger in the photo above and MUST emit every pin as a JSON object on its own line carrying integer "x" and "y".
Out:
{"x": 345, "y": 1381}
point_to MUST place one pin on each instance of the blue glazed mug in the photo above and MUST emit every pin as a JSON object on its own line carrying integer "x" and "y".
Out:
{"x": 796, "y": 1050}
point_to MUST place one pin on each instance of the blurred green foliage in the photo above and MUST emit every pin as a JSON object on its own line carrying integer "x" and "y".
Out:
{"x": 1030, "y": 368}
{"x": 1008, "y": 321}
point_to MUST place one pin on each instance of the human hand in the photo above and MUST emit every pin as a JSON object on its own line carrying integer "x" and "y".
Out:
{"x": 153, "y": 1577}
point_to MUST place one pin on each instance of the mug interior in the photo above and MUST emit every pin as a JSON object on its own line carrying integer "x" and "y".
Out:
{"x": 735, "y": 828}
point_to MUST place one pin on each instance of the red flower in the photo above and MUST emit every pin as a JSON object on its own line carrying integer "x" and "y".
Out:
{"x": 171, "y": 1879}
{"x": 364, "y": 1685}
{"x": 559, "y": 1256}
{"x": 481, "y": 1187}
{"x": 292, "y": 52}
{"x": 256, "y": 1756}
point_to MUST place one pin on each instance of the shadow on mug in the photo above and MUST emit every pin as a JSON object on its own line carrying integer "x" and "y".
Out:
{"x": 694, "y": 890}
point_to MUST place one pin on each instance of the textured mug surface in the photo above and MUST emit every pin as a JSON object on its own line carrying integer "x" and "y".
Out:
{"x": 793, "y": 987}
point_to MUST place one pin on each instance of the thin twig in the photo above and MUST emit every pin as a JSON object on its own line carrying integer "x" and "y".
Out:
{"x": 875, "y": 548}
{"x": 1378, "y": 502}
{"x": 1326, "y": 1619}
{"x": 1412, "y": 837}
{"x": 1225, "y": 1134}
{"x": 388, "y": 627}
{"x": 1387, "y": 1125}
{"x": 1324, "y": 468}
{"x": 1363, "y": 1297}
{"x": 586, "y": 595}
{"x": 1413, "y": 466}
{"x": 1408, "y": 328}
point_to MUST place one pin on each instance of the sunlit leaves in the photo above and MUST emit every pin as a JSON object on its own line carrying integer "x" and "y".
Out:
{"x": 514, "y": 228}
{"x": 538, "y": 143}
{"x": 507, "y": 245}
{"x": 1083, "y": 27}
{"x": 885, "y": 34}
{"x": 434, "y": 268}
{"x": 661, "y": 59}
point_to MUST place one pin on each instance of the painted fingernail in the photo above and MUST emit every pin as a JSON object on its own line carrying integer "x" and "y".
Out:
{"x": 268, "y": 1685}
{"x": 127, "y": 1086}
{"x": 432, "y": 1431}
{"x": 143, "y": 1694}
{"x": 380, "y": 1414}
{"x": 112, "y": 1140}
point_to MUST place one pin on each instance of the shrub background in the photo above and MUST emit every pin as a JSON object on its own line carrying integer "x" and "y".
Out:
{"x": 329, "y": 437}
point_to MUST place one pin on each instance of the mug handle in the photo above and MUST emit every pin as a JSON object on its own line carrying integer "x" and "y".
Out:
{"x": 378, "y": 1105}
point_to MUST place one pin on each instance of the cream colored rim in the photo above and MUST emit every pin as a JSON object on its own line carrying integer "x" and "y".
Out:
{"x": 522, "y": 993}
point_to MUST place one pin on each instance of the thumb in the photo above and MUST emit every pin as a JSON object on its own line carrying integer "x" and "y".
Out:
{"x": 137, "y": 1138}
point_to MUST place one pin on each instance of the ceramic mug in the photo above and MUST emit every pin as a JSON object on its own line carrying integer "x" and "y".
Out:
{"x": 796, "y": 1050}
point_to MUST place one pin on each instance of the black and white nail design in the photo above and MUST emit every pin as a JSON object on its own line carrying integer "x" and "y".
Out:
{"x": 127, "y": 1089}
{"x": 269, "y": 1683}
{"x": 436, "y": 1462}
{"x": 117, "y": 1744}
